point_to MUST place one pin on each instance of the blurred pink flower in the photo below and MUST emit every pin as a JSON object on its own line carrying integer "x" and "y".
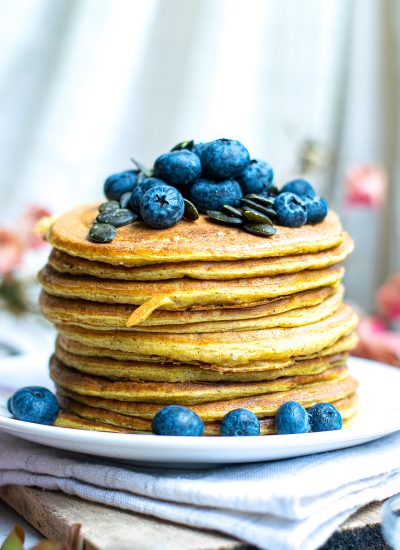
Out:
{"x": 388, "y": 299}
{"x": 378, "y": 343}
{"x": 11, "y": 250}
{"x": 13, "y": 243}
{"x": 366, "y": 185}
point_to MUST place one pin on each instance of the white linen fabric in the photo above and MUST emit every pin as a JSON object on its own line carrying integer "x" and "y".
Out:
{"x": 284, "y": 505}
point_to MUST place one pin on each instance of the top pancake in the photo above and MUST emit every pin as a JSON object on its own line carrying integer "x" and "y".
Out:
{"x": 234, "y": 269}
{"x": 137, "y": 244}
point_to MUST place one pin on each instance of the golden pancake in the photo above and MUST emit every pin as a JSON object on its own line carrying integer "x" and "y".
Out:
{"x": 236, "y": 269}
{"x": 184, "y": 393}
{"x": 158, "y": 372}
{"x": 184, "y": 293}
{"x": 98, "y": 316}
{"x": 227, "y": 348}
{"x": 292, "y": 318}
{"x": 136, "y": 244}
{"x": 261, "y": 405}
{"x": 344, "y": 344}
{"x": 86, "y": 417}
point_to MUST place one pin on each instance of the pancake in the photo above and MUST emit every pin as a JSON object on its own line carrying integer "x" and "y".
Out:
{"x": 184, "y": 293}
{"x": 136, "y": 244}
{"x": 236, "y": 269}
{"x": 262, "y": 405}
{"x": 227, "y": 348}
{"x": 98, "y": 315}
{"x": 82, "y": 416}
{"x": 344, "y": 344}
{"x": 158, "y": 372}
{"x": 185, "y": 393}
{"x": 292, "y": 318}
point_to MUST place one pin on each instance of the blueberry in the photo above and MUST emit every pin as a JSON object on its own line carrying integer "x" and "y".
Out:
{"x": 34, "y": 404}
{"x": 292, "y": 418}
{"x": 198, "y": 148}
{"x": 124, "y": 200}
{"x": 9, "y": 405}
{"x": 178, "y": 167}
{"x": 257, "y": 177}
{"x": 118, "y": 217}
{"x": 224, "y": 158}
{"x": 240, "y": 422}
{"x": 143, "y": 184}
{"x": 317, "y": 209}
{"x": 102, "y": 233}
{"x": 325, "y": 417}
{"x": 118, "y": 184}
{"x": 290, "y": 210}
{"x": 162, "y": 206}
{"x": 299, "y": 187}
{"x": 209, "y": 195}
{"x": 177, "y": 420}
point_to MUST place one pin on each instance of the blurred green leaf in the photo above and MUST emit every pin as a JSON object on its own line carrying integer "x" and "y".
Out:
{"x": 15, "y": 540}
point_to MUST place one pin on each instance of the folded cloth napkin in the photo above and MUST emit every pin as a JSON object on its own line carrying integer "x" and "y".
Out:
{"x": 284, "y": 505}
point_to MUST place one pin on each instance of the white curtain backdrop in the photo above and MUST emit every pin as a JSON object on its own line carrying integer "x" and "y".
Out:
{"x": 86, "y": 84}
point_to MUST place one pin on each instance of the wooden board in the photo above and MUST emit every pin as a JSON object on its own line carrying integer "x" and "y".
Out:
{"x": 57, "y": 515}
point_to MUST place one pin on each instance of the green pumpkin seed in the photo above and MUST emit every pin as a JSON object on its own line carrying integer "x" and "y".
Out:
{"x": 232, "y": 211}
{"x": 255, "y": 216}
{"x": 260, "y": 199}
{"x": 118, "y": 217}
{"x": 191, "y": 213}
{"x": 184, "y": 145}
{"x": 220, "y": 217}
{"x": 264, "y": 209}
{"x": 108, "y": 206}
{"x": 260, "y": 229}
{"x": 102, "y": 233}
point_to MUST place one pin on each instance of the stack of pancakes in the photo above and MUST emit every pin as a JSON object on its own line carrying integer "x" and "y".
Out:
{"x": 202, "y": 315}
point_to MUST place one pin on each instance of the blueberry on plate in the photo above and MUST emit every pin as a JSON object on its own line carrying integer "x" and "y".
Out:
{"x": 224, "y": 158}
{"x": 325, "y": 417}
{"x": 102, "y": 233}
{"x": 9, "y": 405}
{"x": 209, "y": 195}
{"x": 118, "y": 184}
{"x": 257, "y": 177}
{"x": 162, "y": 206}
{"x": 317, "y": 209}
{"x": 177, "y": 420}
{"x": 299, "y": 187}
{"x": 34, "y": 404}
{"x": 290, "y": 210}
{"x": 292, "y": 418}
{"x": 240, "y": 422}
{"x": 178, "y": 167}
{"x": 142, "y": 185}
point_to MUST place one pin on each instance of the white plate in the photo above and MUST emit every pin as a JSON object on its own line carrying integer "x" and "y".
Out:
{"x": 379, "y": 415}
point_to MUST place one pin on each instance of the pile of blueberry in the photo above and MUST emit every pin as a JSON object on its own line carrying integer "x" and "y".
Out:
{"x": 217, "y": 178}
{"x": 39, "y": 405}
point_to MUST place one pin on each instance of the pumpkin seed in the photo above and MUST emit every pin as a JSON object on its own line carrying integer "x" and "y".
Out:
{"x": 108, "y": 206}
{"x": 220, "y": 217}
{"x": 260, "y": 199}
{"x": 117, "y": 218}
{"x": 232, "y": 211}
{"x": 264, "y": 209}
{"x": 255, "y": 216}
{"x": 184, "y": 145}
{"x": 102, "y": 233}
{"x": 191, "y": 213}
{"x": 260, "y": 229}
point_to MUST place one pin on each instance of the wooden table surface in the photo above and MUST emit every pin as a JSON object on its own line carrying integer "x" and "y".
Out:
{"x": 57, "y": 516}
